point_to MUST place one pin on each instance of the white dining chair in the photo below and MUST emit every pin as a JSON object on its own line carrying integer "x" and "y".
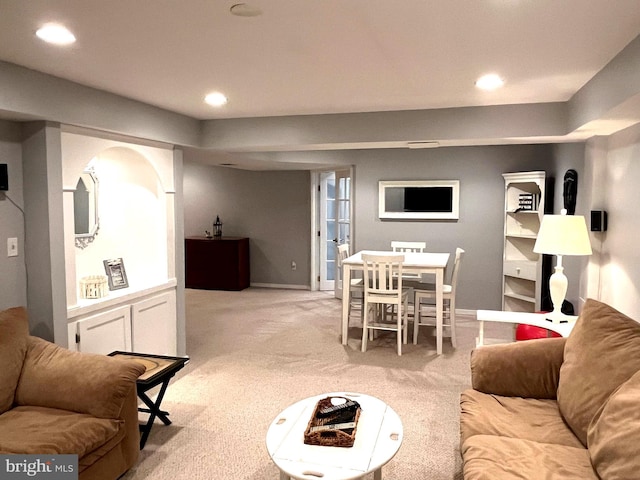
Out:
{"x": 356, "y": 287}
{"x": 398, "y": 246}
{"x": 425, "y": 314}
{"x": 410, "y": 278}
{"x": 405, "y": 247}
{"x": 383, "y": 287}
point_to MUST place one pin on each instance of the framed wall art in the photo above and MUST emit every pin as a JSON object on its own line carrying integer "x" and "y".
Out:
{"x": 116, "y": 273}
{"x": 419, "y": 199}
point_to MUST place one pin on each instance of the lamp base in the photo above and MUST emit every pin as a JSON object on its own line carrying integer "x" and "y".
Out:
{"x": 557, "y": 289}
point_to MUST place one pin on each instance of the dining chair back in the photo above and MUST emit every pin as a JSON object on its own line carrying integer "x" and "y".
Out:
{"x": 383, "y": 287}
{"x": 398, "y": 246}
{"x": 406, "y": 247}
{"x": 343, "y": 253}
{"x": 422, "y": 316}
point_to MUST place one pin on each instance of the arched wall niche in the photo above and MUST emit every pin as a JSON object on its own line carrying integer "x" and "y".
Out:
{"x": 132, "y": 216}
{"x": 78, "y": 150}
{"x": 135, "y": 210}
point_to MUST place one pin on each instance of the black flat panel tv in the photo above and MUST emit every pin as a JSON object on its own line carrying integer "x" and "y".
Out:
{"x": 4, "y": 177}
{"x": 428, "y": 199}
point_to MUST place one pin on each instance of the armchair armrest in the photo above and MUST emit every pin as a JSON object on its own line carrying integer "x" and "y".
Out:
{"x": 524, "y": 369}
{"x": 55, "y": 377}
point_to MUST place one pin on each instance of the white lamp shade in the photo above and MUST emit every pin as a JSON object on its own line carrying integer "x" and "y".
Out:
{"x": 563, "y": 235}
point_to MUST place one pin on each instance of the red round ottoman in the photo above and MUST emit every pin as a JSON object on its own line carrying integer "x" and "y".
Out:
{"x": 529, "y": 332}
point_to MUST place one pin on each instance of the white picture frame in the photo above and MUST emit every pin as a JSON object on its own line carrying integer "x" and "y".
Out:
{"x": 116, "y": 273}
{"x": 419, "y": 199}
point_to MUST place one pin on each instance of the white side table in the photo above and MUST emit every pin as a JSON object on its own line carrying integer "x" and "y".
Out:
{"x": 535, "y": 319}
{"x": 378, "y": 438}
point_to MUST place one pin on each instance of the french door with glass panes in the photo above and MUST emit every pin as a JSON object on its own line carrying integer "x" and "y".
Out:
{"x": 335, "y": 221}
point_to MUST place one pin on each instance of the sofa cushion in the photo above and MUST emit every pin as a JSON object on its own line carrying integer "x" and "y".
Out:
{"x": 490, "y": 457}
{"x": 89, "y": 383}
{"x": 614, "y": 433}
{"x": 14, "y": 330}
{"x": 515, "y": 417}
{"x": 602, "y": 352}
{"x": 31, "y": 430}
{"x": 523, "y": 369}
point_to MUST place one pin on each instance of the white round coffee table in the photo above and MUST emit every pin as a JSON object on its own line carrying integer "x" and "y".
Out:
{"x": 378, "y": 438}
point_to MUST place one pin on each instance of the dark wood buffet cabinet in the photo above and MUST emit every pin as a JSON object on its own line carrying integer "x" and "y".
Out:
{"x": 217, "y": 263}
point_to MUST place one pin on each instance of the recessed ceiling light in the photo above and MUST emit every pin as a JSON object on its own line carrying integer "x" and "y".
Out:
{"x": 489, "y": 82}
{"x": 245, "y": 10}
{"x": 56, "y": 34}
{"x": 215, "y": 99}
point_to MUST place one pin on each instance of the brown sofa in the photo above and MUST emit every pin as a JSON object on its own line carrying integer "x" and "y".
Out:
{"x": 556, "y": 408}
{"x": 54, "y": 401}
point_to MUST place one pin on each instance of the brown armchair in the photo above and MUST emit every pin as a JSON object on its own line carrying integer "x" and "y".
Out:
{"x": 54, "y": 401}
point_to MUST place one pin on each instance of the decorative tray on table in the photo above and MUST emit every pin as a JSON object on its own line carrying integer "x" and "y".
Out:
{"x": 334, "y": 422}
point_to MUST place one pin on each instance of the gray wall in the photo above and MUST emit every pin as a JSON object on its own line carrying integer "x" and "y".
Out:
{"x": 244, "y": 199}
{"x": 271, "y": 208}
{"x": 13, "y": 281}
{"x": 44, "y": 245}
{"x": 479, "y": 229}
{"x": 37, "y": 96}
{"x": 612, "y": 177}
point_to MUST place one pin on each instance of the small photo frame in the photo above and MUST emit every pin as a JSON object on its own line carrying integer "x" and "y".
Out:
{"x": 116, "y": 273}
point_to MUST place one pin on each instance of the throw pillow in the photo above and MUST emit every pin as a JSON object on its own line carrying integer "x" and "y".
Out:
{"x": 602, "y": 352}
{"x": 14, "y": 330}
{"x": 614, "y": 433}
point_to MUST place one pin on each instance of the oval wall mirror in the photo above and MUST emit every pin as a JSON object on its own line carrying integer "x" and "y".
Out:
{"x": 85, "y": 208}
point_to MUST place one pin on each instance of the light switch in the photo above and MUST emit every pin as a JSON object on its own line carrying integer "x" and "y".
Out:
{"x": 12, "y": 247}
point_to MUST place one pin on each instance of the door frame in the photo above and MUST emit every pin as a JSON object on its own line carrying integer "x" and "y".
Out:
{"x": 315, "y": 219}
{"x": 325, "y": 243}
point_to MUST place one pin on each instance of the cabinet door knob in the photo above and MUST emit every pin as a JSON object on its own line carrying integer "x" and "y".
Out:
{"x": 518, "y": 270}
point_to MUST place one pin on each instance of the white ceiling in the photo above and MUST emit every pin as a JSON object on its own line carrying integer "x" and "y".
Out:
{"x": 323, "y": 56}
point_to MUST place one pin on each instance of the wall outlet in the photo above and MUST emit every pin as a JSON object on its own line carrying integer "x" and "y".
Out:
{"x": 293, "y": 265}
{"x": 12, "y": 247}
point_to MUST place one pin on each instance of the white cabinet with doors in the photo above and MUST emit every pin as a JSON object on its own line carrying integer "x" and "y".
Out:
{"x": 153, "y": 326}
{"x": 142, "y": 324}
{"x": 103, "y": 332}
{"x": 523, "y": 272}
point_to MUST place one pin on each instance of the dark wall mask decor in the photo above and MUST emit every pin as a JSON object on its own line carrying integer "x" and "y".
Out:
{"x": 570, "y": 191}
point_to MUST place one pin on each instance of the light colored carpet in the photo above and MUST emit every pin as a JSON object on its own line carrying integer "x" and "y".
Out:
{"x": 255, "y": 352}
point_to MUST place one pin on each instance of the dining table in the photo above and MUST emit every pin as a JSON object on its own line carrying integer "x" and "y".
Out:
{"x": 414, "y": 262}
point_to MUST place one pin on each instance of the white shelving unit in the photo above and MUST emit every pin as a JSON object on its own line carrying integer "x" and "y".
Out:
{"x": 522, "y": 277}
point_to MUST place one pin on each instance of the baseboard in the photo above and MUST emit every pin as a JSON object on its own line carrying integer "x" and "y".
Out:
{"x": 280, "y": 286}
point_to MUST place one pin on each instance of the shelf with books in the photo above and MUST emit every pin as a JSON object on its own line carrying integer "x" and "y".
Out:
{"x": 526, "y": 200}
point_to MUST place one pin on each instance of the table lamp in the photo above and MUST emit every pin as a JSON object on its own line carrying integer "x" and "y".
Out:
{"x": 561, "y": 235}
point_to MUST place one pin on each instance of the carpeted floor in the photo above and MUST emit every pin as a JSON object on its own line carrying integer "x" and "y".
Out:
{"x": 255, "y": 352}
